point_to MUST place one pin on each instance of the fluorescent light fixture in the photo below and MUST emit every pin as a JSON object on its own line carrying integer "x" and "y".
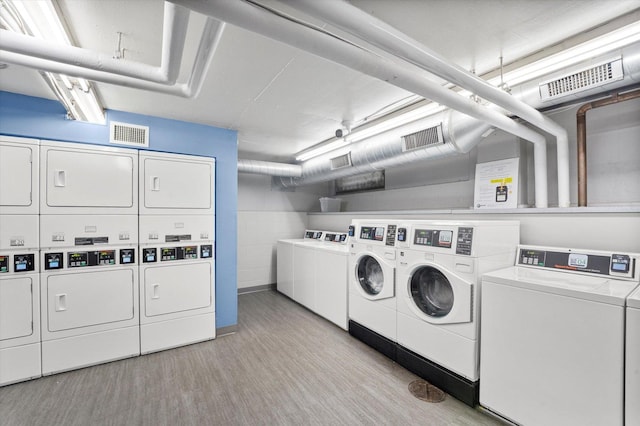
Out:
{"x": 323, "y": 149}
{"x": 39, "y": 18}
{"x": 590, "y": 49}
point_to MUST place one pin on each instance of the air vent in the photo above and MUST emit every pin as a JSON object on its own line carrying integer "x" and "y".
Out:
{"x": 129, "y": 134}
{"x": 423, "y": 138}
{"x": 341, "y": 161}
{"x": 582, "y": 80}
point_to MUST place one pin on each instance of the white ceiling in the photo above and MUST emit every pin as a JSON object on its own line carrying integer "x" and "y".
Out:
{"x": 282, "y": 100}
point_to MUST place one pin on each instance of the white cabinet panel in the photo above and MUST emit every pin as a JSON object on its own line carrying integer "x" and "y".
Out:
{"x": 88, "y": 180}
{"x": 18, "y": 176}
{"x": 16, "y": 308}
{"x": 18, "y": 232}
{"x": 177, "y": 288}
{"x": 331, "y": 286}
{"x": 176, "y": 184}
{"x": 89, "y": 299}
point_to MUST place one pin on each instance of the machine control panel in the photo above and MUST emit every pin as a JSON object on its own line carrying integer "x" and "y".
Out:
{"x": 4, "y": 263}
{"x": 464, "y": 242}
{"x": 314, "y": 235}
{"x": 591, "y": 262}
{"x": 178, "y": 253}
{"x": 89, "y": 241}
{"x": 391, "y": 235}
{"x": 53, "y": 261}
{"x": 149, "y": 255}
{"x": 352, "y": 231}
{"x": 23, "y": 262}
{"x": 401, "y": 235}
{"x": 80, "y": 259}
{"x": 206, "y": 251}
{"x": 127, "y": 256}
{"x": 334, "y": 237}
{"x": 433, "y": 238}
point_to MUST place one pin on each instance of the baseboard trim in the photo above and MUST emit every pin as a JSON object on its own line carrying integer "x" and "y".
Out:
{"x": 225, "y": 331}
{"x": 265, "y": 287}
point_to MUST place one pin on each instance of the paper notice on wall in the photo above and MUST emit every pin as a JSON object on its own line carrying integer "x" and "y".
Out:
{"x": 496, "y": 185}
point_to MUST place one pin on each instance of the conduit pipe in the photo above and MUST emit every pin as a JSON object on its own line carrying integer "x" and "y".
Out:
{"x": 358, "y": 23}
{"x": 257, "y": 19}
{"x": 269, "y": 168}
{"x": 176, "y": 20}
{"x": 208, "y": 44}
{"x": 581, "y": 126}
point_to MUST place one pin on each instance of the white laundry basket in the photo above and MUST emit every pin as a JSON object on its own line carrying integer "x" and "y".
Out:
{"x": 330, "y": 204}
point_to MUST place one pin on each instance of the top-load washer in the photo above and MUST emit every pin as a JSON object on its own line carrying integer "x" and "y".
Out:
{"x": 173, "y": 184}
{"x": 438, "y": 284}
{"x": 285, "y": 264}
{"x": 553, "y": 339}
{"x": 371, "y": 278}
{"x": 19, "y": 176}
{"x": 632, "y": 360}
{"x": 83, "y": 179}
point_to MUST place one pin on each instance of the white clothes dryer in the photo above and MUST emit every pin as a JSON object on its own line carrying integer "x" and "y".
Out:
{"x": 19, "y": 299}
{"x": 438, "y": 282}
{"x": 632, "y": 360}
{"x": 177, "y": 281}
{"x": 553, "y": 334}
{"x": 89, "y": 290}
{"x": 371, "y": 280}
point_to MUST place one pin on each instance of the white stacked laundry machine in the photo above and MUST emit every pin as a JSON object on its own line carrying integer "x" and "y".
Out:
{"x": 177, "y": 245}
{"x": 88, "y": 239}
{"x": 19, "y": 262}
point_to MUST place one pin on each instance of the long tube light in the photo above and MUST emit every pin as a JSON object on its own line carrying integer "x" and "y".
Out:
{"x": 600, "y": 45}
{"x": 39, "y": 18}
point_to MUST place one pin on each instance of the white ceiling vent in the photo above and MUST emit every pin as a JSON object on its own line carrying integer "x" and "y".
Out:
{"x": 341, "y": 161}
{"x": 423, "y": 138}
{"x": 129, "y": 134}
{"x": 583, "y": 80}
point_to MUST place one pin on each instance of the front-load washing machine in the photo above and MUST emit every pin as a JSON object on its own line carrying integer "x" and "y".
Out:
{"x": 19, "y": 299}
{"x": 177, "y": 281}
{"x": 553, "y": 339}
{"x": 89, "y": 290}
{"x": 632, "y": 360}
{"x": 371, "y": 280}
{"x": 438, "y": 283}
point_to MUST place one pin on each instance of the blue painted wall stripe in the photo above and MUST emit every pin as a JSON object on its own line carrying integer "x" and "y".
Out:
{"x": 38, "y": 118}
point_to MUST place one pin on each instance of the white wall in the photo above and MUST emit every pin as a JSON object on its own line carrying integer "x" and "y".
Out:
{"x": 265, "y": 215}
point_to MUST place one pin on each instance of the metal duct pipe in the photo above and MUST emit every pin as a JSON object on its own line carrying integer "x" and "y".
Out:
{"x": 269, "y": 168}
{"x": 176, "y": 20}
{"x": 208, "y": 44}
{"x": 372, "y": 30}
{"x": 581, "y": 118}
{"x": 257, "y": 19}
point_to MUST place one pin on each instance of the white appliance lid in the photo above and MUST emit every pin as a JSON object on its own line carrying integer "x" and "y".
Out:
{"x": 634, "y": 299}
{"x": 598, "y": 289}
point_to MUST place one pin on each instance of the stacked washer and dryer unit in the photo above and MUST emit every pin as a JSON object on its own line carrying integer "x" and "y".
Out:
{"x": 72, "y": 293}
{"x": 177, "y": 269}
{"x": 414, "y": 293}
{"x": 89, "y": 259}
{"x": 19, "y": 261}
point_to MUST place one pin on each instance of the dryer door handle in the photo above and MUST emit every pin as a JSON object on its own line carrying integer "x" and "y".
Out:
{"x": 155, "y": 294}
{"x": 61, "y": 302}
{"x": 155, "y": 183}
{"x": 60, "y": 179}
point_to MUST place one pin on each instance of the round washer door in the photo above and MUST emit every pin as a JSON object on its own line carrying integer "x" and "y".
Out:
{"x": 374, "y": 278}
{"x": 440, "y": 297}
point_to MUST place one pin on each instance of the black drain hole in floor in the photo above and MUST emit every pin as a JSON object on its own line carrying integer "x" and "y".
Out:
{"x": 425, "y": 391}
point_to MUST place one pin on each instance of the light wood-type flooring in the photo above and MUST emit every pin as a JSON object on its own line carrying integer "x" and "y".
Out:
{"x": 284, "y": 366}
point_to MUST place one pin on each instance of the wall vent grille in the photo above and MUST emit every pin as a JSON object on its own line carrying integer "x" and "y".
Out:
{"x": 129, "y": 134}
{"x": 583, "y": 80}
{"x": 341, "y": 161}
{"x": 423, "y": 138}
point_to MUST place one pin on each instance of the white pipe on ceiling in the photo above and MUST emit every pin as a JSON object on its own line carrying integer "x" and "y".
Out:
{"x": 356, "y": 22}
{"x": 269, "y": 168}
{"x": 257, "y": 19}
{"x": 208, "y": 44}
{"x": 176, "y": 20}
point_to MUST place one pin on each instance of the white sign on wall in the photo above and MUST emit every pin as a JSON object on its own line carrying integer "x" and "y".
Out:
{"x": 496, "y": 185}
